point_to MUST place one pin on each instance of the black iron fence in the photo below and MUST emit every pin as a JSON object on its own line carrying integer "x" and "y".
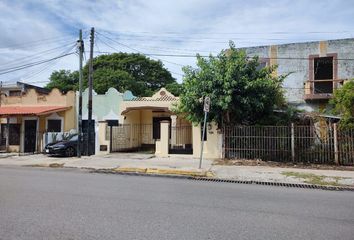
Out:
{"x": 307, "y": 144}
{"x": 346, "y": 147}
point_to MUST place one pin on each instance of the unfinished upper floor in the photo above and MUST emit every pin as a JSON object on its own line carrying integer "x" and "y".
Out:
{"x": 314, "y": 69}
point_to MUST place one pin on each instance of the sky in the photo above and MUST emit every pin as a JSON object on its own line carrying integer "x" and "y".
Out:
{"x": 33, "y": 31}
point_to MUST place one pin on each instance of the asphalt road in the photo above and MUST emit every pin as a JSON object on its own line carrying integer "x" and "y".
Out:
{"x": 71, "y": 204}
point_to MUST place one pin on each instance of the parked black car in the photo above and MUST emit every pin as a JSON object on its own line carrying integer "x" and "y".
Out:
{"x": 64, "y": 148}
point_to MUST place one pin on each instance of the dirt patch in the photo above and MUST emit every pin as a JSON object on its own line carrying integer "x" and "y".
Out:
{"x": 56, "y": 165}
{"x": 315, "y": 179}
{"x": 257, "y": 162}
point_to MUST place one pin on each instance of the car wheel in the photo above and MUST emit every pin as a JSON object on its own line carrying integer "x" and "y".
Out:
{"x": 70, "y": 152}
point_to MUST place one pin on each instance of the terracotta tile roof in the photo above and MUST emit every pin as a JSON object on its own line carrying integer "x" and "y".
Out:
{"x": 163, "y": 98}
{"x": 29, "y": 110}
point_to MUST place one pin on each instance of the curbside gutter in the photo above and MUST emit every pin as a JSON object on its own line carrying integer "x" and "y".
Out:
{"x": 202, "y": 175}
{"x": 208, "y": 176}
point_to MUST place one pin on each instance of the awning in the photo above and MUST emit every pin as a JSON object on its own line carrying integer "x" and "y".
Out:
{"x": 28, "y": 110}
{"x": 152, "y": 108}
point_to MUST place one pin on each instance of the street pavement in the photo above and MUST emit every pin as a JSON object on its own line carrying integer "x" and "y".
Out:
{"x": 68, "y": 204}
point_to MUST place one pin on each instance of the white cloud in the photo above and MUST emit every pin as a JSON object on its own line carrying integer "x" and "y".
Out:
{"x": 169, "y": 27}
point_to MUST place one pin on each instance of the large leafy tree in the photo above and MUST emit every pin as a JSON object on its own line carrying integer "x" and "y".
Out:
{"x": 64, "y": 80}
{"x": 241, "y": 92}
{"x": 123, "y": 71}
{"x": 343, "y": 102}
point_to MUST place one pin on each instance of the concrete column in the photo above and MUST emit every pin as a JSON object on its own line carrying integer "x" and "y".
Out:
{"x": 131, "y": 134}
{"x": 323, "y": 46}
{"x": 173, "y": 130}
{"x": 102, "y": 138}
{"x": 197, "y": 136}
{"x": 273, "y": 58}
{"x": 164, "y": 138}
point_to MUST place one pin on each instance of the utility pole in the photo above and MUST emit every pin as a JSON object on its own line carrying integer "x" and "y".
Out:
{"x": 80, "y": 45}
{"x": 90, "y": 82}
{"x": 0, "y": 93}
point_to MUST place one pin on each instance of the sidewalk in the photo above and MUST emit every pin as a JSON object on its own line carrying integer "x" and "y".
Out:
{"x": 120, "y": 162}
{"x": 185, "y": 165}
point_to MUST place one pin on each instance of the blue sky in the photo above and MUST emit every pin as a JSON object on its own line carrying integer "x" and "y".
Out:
{"x": 158, "y": 26}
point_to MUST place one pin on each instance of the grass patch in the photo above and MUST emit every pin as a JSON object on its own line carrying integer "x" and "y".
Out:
{"x": 315, "y": 179}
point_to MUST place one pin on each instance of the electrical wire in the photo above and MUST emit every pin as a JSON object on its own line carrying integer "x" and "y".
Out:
{"x": 48, "y": 65}
{"x": 39, "y": 42}
{"x": 108, "y": 45}
{"x": 126, "y": 46}
{"x": 97, "y": 39}
{"x": 34, "y": 56}
{"x": 236, "y": 33}
{"x": 33, "y": 64}
{"x": 163, "y": 48}
{"x": 194, "y": 56}
{"x": 199, "y": 39}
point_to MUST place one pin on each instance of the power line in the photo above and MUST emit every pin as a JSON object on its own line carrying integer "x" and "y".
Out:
{"x": 249, "y": 57}
{"x": 33, "y": 64}
{"x": 96, "y": 36}
{"x": 193, "y": 56}
{"x": 43, "y": 81}
{"x": 163, "y": 48}
{"x": 50, "y": 64}
{"x": 124, "y": 45}
{"x": 39, "y": 42}
{"x": 236, "y": 33}
{"x": 117, "y": 50}
{"x": 196, "y": 38}
{"x": 33, "y": 56}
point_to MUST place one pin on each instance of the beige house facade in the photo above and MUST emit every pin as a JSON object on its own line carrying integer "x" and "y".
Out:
{"x": 151, "y": 124}
{"x": 27, "y": 117}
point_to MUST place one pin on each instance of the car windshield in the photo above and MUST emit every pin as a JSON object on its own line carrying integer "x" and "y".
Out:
{"x": 73, "y": 138}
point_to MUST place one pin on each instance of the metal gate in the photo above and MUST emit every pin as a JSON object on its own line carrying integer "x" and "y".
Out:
{"x": 131, "y": 137}
{"x": 181, "y": 140}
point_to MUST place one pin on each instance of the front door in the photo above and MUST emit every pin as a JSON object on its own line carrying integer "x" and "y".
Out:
{"x": 30, "y": 135}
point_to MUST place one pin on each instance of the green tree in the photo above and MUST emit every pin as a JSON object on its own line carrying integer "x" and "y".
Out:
{"x": 175, "y": 88}
{"x": 64, "y": 80}
{"x": 241, "y": 92}
{"x": 343, "y": 102}
{"x": 124, "y": 71}
{"x": 128, "y": 71}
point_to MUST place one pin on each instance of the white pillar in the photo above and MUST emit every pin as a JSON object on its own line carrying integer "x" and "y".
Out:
{"x": 173, "y": 130}
{"x": 164, "y": 138}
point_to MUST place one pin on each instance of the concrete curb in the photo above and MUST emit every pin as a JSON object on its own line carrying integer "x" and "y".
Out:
{"x": 222, "y": 180}
{"x": 159, "y": 171}
{"x": 207, "y": 176}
